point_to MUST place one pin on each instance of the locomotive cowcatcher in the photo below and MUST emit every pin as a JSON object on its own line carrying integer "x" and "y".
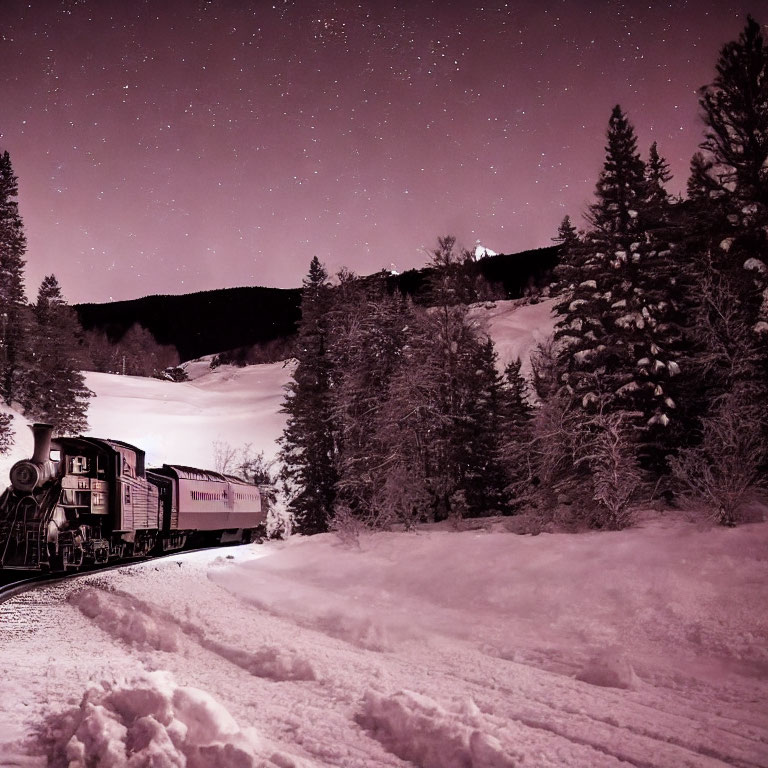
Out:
{"x": 84, "y": 500}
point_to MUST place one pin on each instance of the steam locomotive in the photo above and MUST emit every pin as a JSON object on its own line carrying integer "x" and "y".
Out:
{"x": 84, "y": 500}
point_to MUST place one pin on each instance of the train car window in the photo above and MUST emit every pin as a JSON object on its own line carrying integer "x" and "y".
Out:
{"x": 74, "y": 498}
{"x": 78, "y": 465}
{"x": 127, "y": 494}
{"x": 55, "y": 455}
{"x": 128, "y": 470}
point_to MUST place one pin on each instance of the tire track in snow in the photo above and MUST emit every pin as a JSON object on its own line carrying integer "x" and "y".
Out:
{"x": 638, "y": 713}
{"x": 567, "y": 710}
{"x": 134, "y": 621}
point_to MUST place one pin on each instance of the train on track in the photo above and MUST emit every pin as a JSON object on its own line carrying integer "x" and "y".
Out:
{"x": 88, "y": 501}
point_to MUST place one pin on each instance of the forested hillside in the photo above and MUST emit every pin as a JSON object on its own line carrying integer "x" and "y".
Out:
{"x": 236, "y": 318}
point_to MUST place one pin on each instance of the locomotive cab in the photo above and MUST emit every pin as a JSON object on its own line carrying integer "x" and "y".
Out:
{"x": 59, "y": 512}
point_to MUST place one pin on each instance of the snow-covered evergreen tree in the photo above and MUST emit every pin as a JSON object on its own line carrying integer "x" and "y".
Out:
{"x": 725, "y": 238}
{"x": 54, "y": 388}
{"x": 369, "y": 332}
{"x": 517, "y": 428}
{"x": 596, "y": 300}
{"x": 13, "y": 304}
{"x": 307, "y": 452}
{"x": 729, "y": 185}
{"x": 621, "y": 320}
{"x": 486, "y": 478}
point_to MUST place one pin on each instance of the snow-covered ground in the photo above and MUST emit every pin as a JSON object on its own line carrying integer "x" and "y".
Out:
{"x": 441, "y": 649}
{"x": 516, "y": 328}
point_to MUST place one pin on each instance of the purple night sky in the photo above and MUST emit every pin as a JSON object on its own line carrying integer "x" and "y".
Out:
{"x": 171, "y": 146}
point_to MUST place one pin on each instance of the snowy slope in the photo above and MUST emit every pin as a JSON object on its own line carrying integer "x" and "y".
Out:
{"x": 516, "y": 328}
{"x": 179, "y": 422}
{"x": 438, "y": 649}
{"x": 233, "y": 405}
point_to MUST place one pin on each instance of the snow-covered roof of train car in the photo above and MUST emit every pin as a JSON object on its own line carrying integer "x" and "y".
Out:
{"x": 239, "y": 480}
{"x": 193, "y": 473}
{"x": 83, "y": 441}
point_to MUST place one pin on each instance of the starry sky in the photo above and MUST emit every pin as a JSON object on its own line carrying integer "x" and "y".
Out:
{"x": 171, "y": 146}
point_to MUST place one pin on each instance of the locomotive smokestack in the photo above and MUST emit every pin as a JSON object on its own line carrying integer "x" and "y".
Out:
{"x": 42, "y": 433}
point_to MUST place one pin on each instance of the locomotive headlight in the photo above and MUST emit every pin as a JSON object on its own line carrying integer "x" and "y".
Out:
{"x": 25, "y": 476}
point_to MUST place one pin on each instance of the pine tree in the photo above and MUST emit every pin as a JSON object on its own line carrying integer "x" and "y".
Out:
{"x": 621, "y": 183}
{"x": 567, "y": 268}
{"x": 735, "y": 173}
{"x": 54, "y": 388}
{"x": 452, "y": 350}
{"x": 308, "y": 449}
{"x": 517, "y": 429}
{"x": 566, "y": 233}
{"x": 726, "y": 229}
{"x": 486, "y": 478}
{"x": 656, "y": 203}
{"x": 369, "y": 333}
{"x": 735, "y": 107}
{"x": 624, "y": 311}
{"x": 438, "y": 431}
{"x": 600, "y": 286}
{"x": 430, "y": 426}
{"x": 13, "y": 315}
{"x": 702, "y": 186}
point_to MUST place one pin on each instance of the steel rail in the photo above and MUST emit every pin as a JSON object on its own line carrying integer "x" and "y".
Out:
{"x": 28, "y": 583}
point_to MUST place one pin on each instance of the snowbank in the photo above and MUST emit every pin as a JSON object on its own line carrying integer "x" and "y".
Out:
{"x": 609, "y": 668}
{"x": 149, "y": 721}
{"x": 666, "y": 585}
{"x": 135, "y": 622}
{"x": 119, "y": 618}
{"x": 416, "y": 728}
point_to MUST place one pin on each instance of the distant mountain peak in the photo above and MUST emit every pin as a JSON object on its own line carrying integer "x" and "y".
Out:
{"x": 481, "y": 251}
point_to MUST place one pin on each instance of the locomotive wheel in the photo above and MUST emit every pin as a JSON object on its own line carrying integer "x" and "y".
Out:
{"x": 60, "y": 561}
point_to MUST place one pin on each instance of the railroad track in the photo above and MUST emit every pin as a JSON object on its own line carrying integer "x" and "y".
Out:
{"x": 10, "y": 588}
{"x": 31, "y": 580}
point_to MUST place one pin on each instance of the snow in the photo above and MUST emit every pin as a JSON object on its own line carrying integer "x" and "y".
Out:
{"x": 149, "y": 721}
{"x": 757, "y": 265}
{"x": 611, "y": 669}
{"x": 179, "y": 422}
{"x": 481, "y": 252}
{"x": 469, "y": 648}
{"x": 516, "y": 328}
{"x": 474, "y": 647}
